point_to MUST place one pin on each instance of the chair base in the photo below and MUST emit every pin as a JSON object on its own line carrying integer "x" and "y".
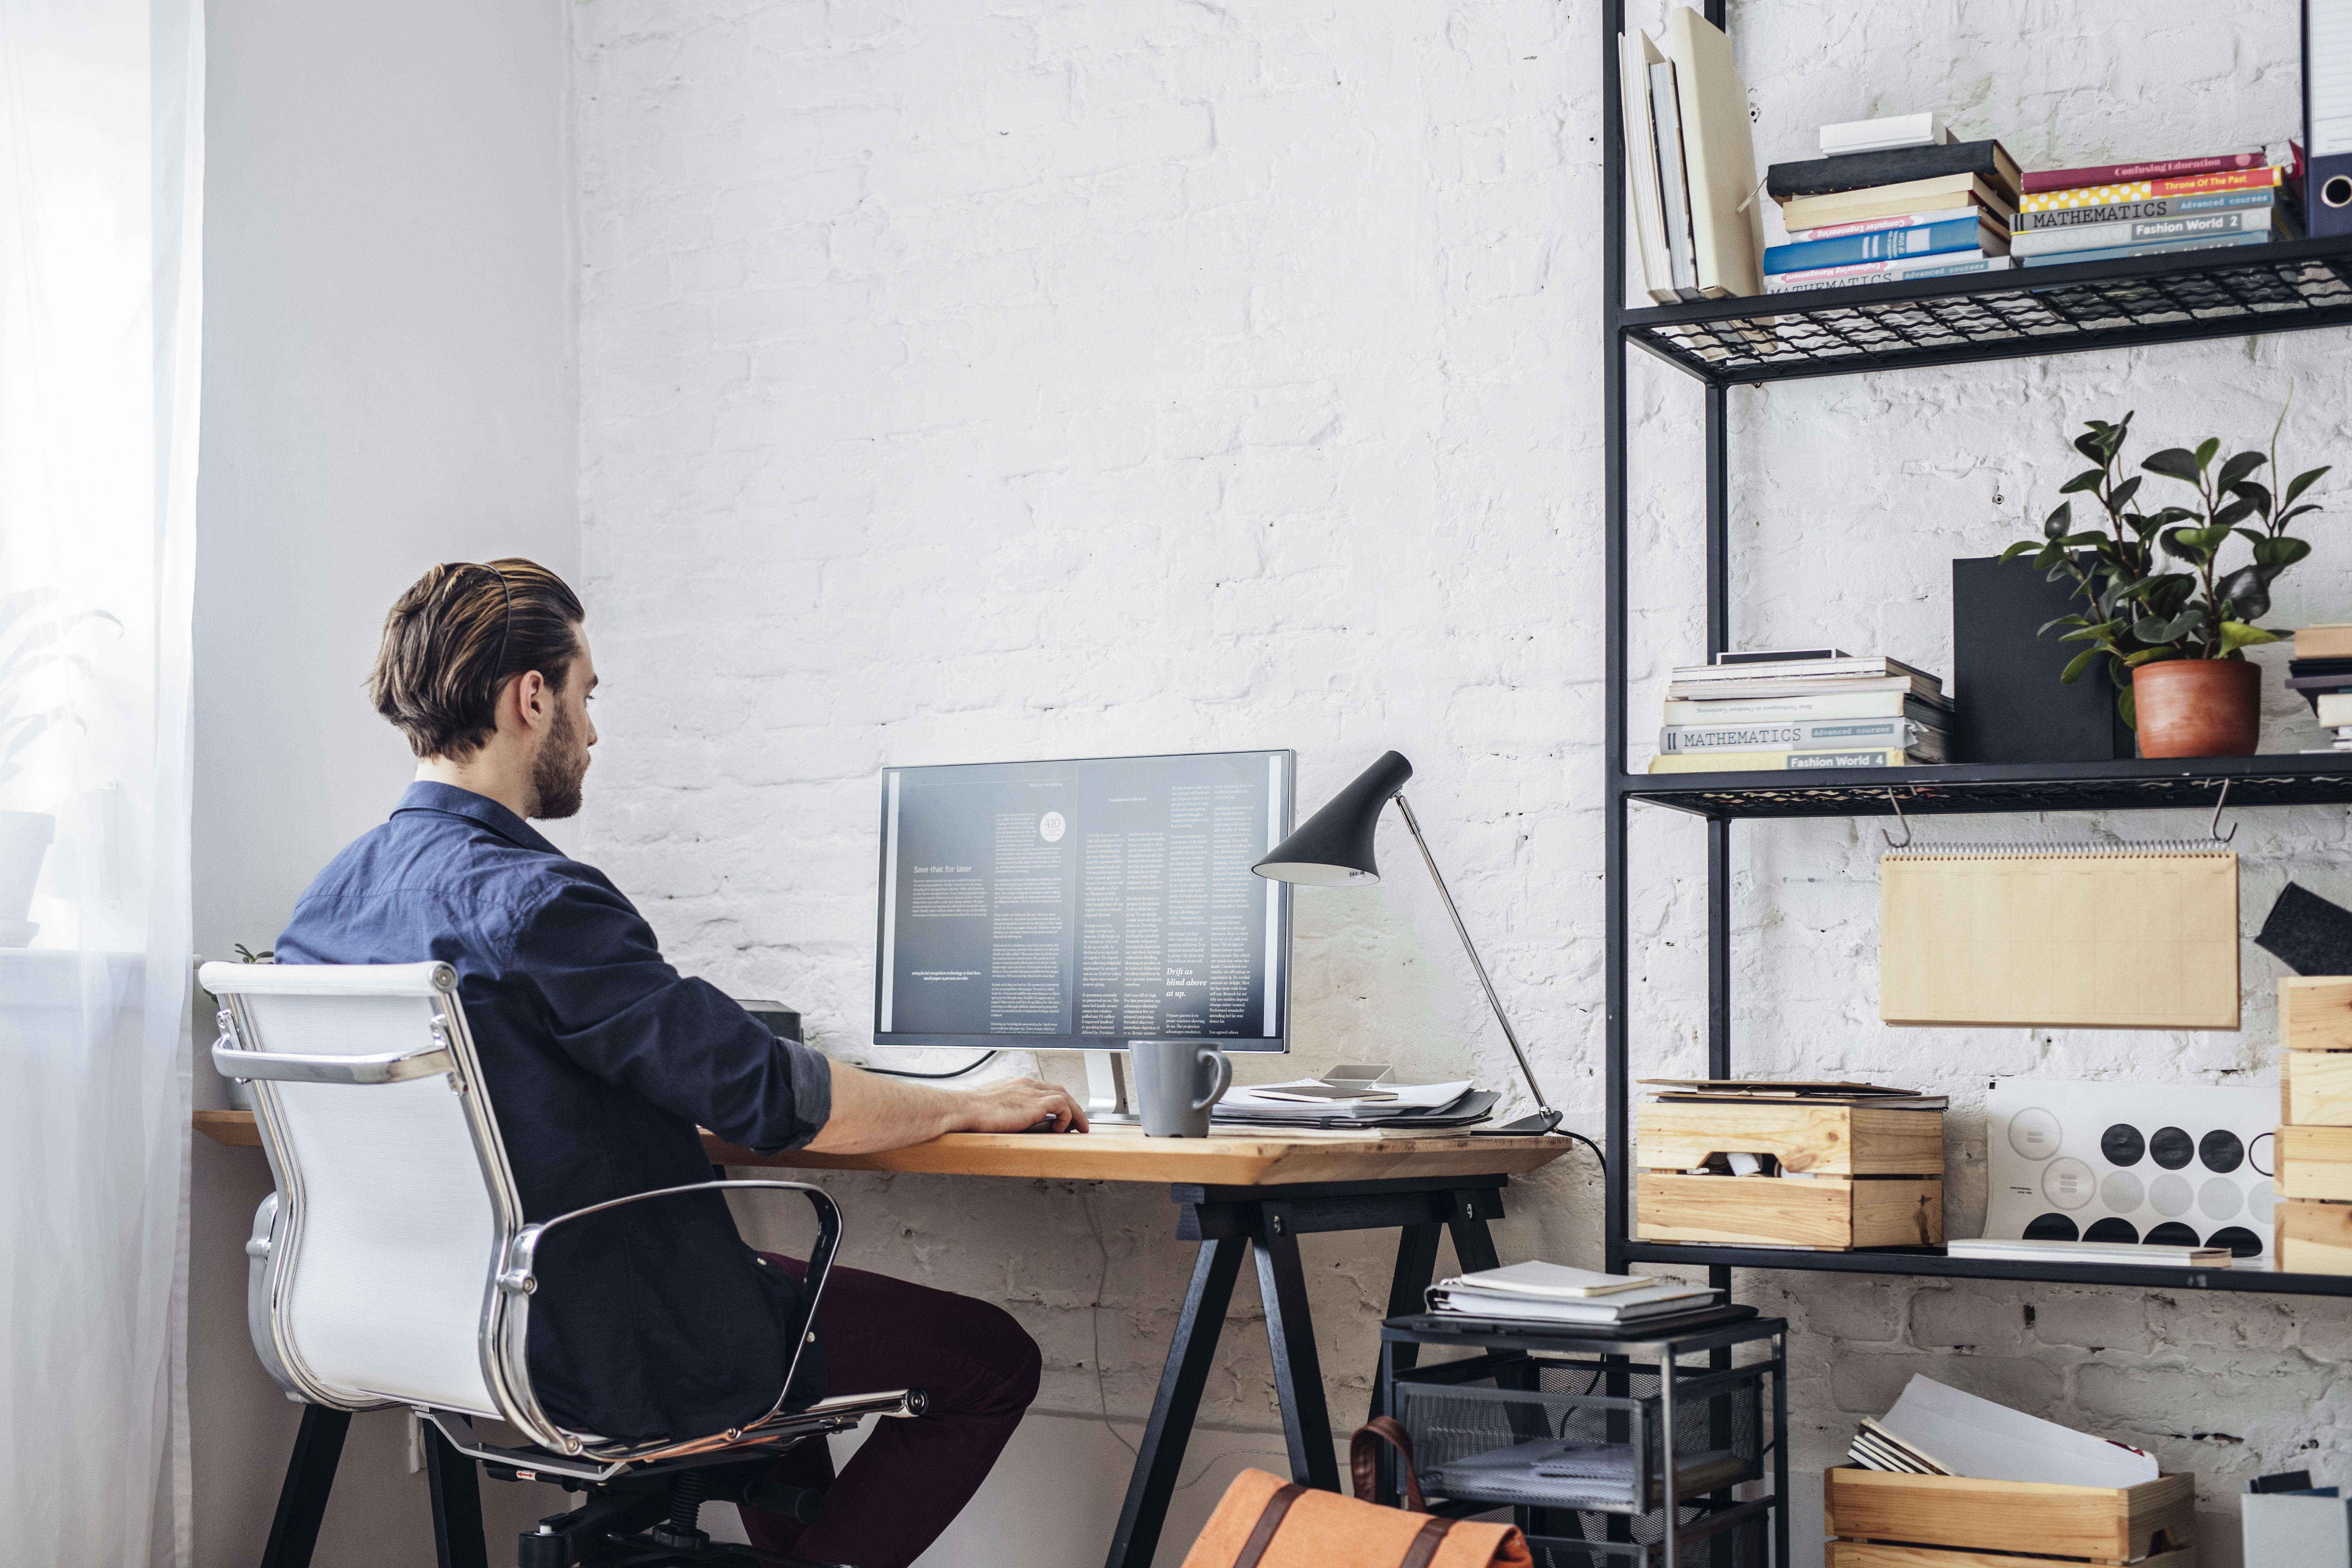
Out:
{"x": 641, "y": 1523}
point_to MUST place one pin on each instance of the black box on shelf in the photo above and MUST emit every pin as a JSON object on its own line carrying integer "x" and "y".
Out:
{"x": 2008, "y": 705}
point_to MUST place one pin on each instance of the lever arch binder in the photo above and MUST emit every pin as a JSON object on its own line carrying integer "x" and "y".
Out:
{"x": 2327, "y": 116}
{"x": 2085, "y": 936}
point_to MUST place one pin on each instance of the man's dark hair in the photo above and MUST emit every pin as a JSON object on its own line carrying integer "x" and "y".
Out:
{"x": 453, "y": 640}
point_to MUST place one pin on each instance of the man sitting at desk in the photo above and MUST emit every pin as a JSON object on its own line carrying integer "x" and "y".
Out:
{"x": 601, "y": 1060}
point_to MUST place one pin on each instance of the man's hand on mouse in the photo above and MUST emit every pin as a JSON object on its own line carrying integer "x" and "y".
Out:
{"x": 1017, "y": 1104}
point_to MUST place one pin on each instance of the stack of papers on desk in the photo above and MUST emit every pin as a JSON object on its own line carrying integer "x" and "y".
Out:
{"x": 1313, "y": 1102}
{"x": 1555, "y": 1293}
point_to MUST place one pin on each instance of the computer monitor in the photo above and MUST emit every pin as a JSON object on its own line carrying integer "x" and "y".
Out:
{"x": 1083, "y": 905}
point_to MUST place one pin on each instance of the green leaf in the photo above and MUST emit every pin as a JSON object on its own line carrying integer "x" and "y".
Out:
{"x": 2090, "y": 538}
{"x": 2093, "y": 445}
{"x": 2236, "y": 634}
{"x": 2174, "y": 463}
{"x": 2184, "y": 544}
{"x": 2047, "y": 557}
{"x": 2205, "y": 451}
{"x": 2100, "y": 633}
{"x": 2257, "y": 492}
{"x": 2280, "y": 553}
{"x": 2124, "y": 491}
{"x": 2237, "y": 469}
{"x": 2088, "y": 479}
{"x": 2018, "y": 549}
{"x": 2127, "y": 708}
{"x": 2059, "y": 519}
{"x": 2303, "y": 482}
{"x": 2236, "y": 512}
{"x": 2150, "y": 656}
{"x": 2062, "y": 621}
{"x": 2076, "y": 666}
{"x": 2287, "y": 516}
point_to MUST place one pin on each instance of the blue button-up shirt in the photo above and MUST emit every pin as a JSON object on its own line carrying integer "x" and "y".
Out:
{"x": 600, "y": 1060}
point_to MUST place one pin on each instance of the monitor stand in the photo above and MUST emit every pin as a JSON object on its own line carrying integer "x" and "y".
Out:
{"x": 1108, "y": 1098}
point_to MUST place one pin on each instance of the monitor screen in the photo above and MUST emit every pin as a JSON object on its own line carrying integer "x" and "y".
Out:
{"x": 1080, "y": 905}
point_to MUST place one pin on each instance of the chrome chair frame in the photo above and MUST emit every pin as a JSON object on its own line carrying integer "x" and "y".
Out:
{"x": 511, "y": 1278}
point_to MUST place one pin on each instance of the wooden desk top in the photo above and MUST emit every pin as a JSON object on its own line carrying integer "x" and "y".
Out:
{"x": 1124, "y": 1155}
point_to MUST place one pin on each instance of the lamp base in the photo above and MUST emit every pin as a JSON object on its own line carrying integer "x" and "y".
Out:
{"x": 1534, "y": 1126}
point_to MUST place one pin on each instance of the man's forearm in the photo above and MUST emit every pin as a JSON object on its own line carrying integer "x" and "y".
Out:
{"x": 872, "y": 1112}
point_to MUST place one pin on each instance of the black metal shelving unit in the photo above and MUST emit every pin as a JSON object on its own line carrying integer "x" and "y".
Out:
{"x": 2286, "y": 287}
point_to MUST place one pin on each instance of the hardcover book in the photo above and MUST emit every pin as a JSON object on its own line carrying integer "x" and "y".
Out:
{"x": 1987, "y": 160}
{"x": 1787, "y": 759}
{"x": 2117, "y": 173}
{"x": 1905, "y": 272}
{"x": 1965, "y": 232}
{"x": 2264, "y": 178}
{"x": 1913, "y": 196}
{"x": 2136, "y": 212}
{"x": 2111, "y": 235}
{"x": 2158, "y": 248}
{"x": 1892, "y": 220}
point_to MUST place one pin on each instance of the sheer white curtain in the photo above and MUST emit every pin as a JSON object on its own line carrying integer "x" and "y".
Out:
{"x": 100, "y": 165}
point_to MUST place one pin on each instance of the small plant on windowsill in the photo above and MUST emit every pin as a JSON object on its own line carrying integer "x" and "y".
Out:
{"x": 2172, "y": 623}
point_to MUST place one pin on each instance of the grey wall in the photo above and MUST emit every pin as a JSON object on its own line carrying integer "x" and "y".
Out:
{"x": 388, "y": 383}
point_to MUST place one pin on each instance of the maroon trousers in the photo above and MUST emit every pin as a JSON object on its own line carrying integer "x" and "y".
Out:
{"x": 912, "y": 1476}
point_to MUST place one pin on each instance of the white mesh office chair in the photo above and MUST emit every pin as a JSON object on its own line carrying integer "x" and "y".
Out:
{"x": 392, "y": 1266}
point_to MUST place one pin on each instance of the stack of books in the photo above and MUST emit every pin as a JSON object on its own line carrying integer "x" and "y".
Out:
{"x": 2321, "y": 668}
{"x": 1876, "y": 1448}
{"x": 1891, "y": 199}
{"x": 2117, "y": 210}
{"x": 1814, "y": 708}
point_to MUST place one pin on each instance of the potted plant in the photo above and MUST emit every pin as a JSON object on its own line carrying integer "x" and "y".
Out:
{"x": 2172, "y": 622}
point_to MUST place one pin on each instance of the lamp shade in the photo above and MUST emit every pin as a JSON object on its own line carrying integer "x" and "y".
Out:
{"x": 1335, "y": 845}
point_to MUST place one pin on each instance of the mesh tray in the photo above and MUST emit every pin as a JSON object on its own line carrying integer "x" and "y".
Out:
{"x": 1567, "y": 1434}
{"x": 1732, "y": 1538}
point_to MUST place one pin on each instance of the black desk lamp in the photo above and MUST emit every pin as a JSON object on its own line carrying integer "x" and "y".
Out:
{"x": 1334, "y": 849}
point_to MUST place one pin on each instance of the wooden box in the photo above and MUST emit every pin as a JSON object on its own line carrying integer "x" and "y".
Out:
{"x": 2315, "y": 1089}
{"x": 2316, "y": 1162}
{"x": 2315, "y": 1012}
{"x": 1878, "y": 1175}
{"x": 1993, "y": 1522}
{"x": 2312, "y": 1237}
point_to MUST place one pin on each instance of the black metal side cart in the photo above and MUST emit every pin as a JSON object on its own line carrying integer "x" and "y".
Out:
{"x": 1570, "y": 1432}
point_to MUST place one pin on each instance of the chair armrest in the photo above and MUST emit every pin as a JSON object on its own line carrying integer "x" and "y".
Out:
{"x": 520, "y": 1279}
{"x": 283, "y": 1067}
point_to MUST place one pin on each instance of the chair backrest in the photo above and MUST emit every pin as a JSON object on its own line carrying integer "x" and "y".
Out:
{"x": 395, "y": 1203}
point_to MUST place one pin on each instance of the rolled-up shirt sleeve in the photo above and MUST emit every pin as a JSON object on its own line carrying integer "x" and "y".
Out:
{"x": 620, "y": 1011}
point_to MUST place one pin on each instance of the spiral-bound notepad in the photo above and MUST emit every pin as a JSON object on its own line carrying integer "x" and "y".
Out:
{"x": 2087, "y": 936}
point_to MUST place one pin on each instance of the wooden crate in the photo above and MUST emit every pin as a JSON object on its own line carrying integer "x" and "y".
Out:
{"x": 2096, "y": 1524}
{"x": 1878, "y": 1175}
{"x": 1826, "y": 1140}
{"x": 1885, "y": 1554}
{"x": 2315, "y": 1089}
{"x": 2312, "y": 1237}
{"x": 2315, "y": 1012}
{"x": 2316, "y": 1162}
{"x": 1830, "y": 1213}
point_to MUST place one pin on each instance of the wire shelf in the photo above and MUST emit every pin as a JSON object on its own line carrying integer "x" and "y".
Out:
{"x": 2138, "y": 784}
{"x": 2028, "y": 311}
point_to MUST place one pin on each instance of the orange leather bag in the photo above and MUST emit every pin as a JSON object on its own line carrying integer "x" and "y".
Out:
{"x": 1264, "y": 1521}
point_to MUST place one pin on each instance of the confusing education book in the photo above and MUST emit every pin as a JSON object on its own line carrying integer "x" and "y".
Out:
{"x": 2115, "y": 173}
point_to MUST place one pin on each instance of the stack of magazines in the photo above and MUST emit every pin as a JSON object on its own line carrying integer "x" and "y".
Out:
{"x": 1544, "y": 1472}
{"x": 1555, "y": 1293}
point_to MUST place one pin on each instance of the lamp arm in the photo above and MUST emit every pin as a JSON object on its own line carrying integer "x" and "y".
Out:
{"x": 1542, "y": 1104}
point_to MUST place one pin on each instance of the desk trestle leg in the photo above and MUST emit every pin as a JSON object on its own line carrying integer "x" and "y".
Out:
{"x": 1189, "y": 1356}
{"x": 1290, "y": 1334}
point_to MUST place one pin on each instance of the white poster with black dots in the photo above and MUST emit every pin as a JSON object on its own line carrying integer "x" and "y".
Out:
{"x": 2180, "y": 1164}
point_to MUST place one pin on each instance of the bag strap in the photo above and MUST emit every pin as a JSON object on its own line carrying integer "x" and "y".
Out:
{"x": 1424, "y": 1545}
{"x": 1364, "y": 1464}
{"x": 1269, "y": 1520}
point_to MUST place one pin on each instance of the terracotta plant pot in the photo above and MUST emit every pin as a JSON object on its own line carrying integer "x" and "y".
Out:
{"x": 2197, "y": 706}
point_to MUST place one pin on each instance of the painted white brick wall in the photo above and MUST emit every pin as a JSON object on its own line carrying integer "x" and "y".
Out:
{"x": 977, "y": 380}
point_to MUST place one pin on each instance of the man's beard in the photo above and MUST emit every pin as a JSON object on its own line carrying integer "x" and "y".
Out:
{"x": 561, "y": 767}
